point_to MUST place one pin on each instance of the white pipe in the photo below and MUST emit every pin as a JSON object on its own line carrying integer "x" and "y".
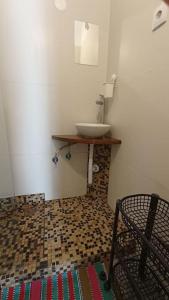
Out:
{"x": 90, "y": 165}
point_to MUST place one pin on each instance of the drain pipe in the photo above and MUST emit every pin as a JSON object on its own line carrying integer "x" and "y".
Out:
{"x": 90, "y": 164}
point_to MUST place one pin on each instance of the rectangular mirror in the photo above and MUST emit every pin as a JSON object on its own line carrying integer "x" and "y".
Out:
{"x": 86, "y": 40}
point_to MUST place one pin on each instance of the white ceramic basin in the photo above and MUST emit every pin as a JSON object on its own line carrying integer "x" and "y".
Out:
{"x": 92, "y": 130}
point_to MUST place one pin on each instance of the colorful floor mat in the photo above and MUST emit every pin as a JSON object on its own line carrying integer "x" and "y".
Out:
{"x": 72, "y": 285}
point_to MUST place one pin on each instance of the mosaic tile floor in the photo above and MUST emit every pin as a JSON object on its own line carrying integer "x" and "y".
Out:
{"x": 41, "y": 238}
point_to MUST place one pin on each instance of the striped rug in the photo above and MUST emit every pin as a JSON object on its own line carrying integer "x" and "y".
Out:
{"x": 72, "y": 285}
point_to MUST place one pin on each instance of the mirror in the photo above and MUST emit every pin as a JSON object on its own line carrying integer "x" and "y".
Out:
{"x": 86, "y": 40}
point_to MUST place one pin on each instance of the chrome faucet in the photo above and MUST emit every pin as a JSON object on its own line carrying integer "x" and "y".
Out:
{"x": 101, "y": 102}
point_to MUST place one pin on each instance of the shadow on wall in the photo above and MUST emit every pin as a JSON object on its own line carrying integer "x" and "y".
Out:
{"x": 6, "y": 183}
{"x": 139, "y": 166}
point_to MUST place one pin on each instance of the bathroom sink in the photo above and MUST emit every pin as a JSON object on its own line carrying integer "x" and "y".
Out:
{"x": 92, "y": 130}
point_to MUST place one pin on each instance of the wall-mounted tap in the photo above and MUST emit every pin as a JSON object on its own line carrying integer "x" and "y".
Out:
{"x": 101, "y": 102}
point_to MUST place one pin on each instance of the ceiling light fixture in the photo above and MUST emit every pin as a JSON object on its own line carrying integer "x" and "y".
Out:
{"x": 60, "y": 4}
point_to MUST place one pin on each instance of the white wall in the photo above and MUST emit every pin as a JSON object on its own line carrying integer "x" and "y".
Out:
{"x": 6, "y": 184}
{"x": 139, "y": 112}
{"x": 45, "y": 92}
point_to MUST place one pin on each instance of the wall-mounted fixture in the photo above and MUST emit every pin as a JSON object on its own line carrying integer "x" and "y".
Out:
{"x": 60, "y": 4}
{"x": 160, "y": 16}
{"x": 86, "y": 41}
{"x": 109, "y": 87}
{"x": 107, "y": 94}
{"x": 55, "y": 158}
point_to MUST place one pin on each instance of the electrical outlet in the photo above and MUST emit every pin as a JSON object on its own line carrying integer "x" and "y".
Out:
{"x": 160, "y": 16}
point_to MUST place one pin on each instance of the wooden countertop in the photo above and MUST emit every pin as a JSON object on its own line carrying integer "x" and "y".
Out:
{"x": 82, "y": 140}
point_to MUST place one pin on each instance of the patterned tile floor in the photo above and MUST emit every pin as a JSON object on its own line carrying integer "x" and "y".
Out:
{"x": 46, "y": 237}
